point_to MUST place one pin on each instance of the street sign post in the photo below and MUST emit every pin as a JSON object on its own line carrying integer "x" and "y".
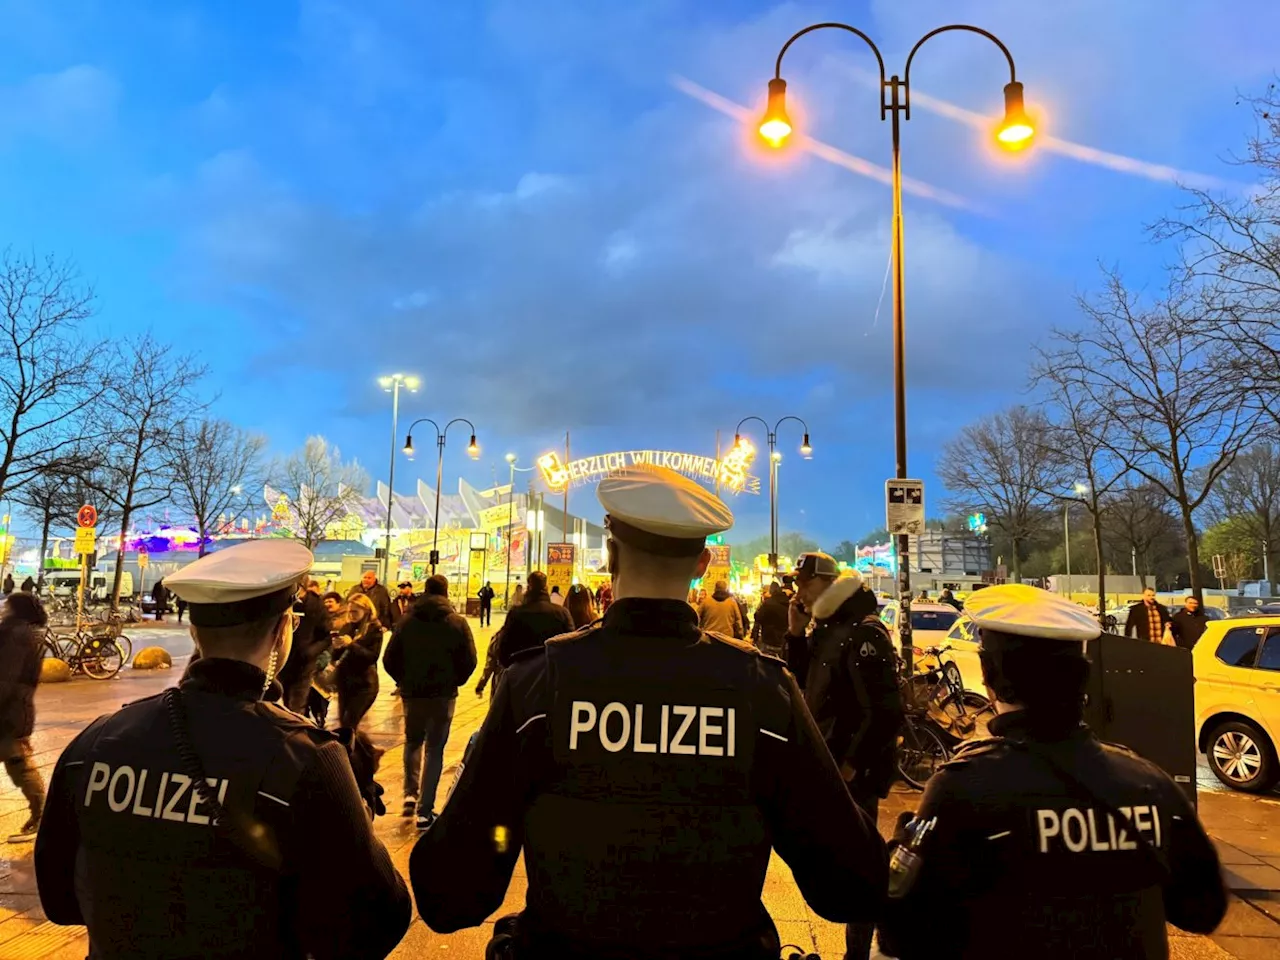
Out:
{"x": 904, "y": 506}
{"x": 87, "y": 516}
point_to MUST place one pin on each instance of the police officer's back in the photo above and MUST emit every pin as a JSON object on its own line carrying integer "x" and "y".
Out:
{"x": 645, "y": 769}
{"x": 1042, "y": 841}
{"x": 132, "y": 844}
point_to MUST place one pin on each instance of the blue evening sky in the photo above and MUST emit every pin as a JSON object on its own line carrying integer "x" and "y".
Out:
{"x": 513, "y": 200}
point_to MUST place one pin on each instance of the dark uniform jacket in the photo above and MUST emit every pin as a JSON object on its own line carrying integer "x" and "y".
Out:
{"x": 646, "y": 769}
{"x": 127, "y": 847}
{"x": 1023, "y": 863}
{"x": 853, "y": 690}
{"x": 432, "y": 652}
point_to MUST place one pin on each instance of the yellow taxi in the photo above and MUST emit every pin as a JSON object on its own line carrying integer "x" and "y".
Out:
{"x": 1237, "y": 669}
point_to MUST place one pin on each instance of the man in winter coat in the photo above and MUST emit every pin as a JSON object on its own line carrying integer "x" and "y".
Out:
{"x": 377, "y": 593}
{"x": 431, "y": 654}
{"x": 852, "y": 689}
{"x": 486, "y": 604}
{"x": 532, "y": 623}
{"x": 720, "y": 613}
{"x": 1147, "y": 618}
{"x": 402, "y": 605}
{"x": 20, "y": 629}
{"x": 770, "y": 630}
{"x": 8, "y": 584}
{"x": 160, "y": 597}
{"x": 28, "y": 586}
{"x": 1188, "y": 624}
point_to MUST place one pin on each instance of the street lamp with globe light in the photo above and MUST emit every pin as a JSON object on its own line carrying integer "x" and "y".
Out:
{"x": 473, "y": 451}
{"x": 1015, "y": 132}
{"x": 775, "y": 458}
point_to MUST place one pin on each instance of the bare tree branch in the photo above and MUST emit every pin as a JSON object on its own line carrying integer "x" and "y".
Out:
{"x": 318, "y": 488}
{"x": 211, "y": 463}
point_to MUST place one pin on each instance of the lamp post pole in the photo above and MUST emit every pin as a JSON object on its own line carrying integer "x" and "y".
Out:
{"x": 392, "y": 385}
{"x": 1066, "y": 541}
{"x": 895, "y": 98}
{"x": 473, "y": 450}
{"x": 771, "y": 438}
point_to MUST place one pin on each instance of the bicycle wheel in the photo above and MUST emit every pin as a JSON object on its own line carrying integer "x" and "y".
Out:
{"x": 63, "y": 646}
{"x": 921, "y": 751}
{"x": 126, "y": 647}
{"x": 100, "y": 657}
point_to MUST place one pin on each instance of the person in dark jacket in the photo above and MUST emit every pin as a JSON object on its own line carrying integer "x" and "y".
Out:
{"x": 310, "y": 639}
{"x": 486, "y": 595}
{"x": 949, "y": 598}
{"x": 1147, "y": 618}
{"x": 236, "y": 829}
{"x": 431, "y": 654}
{"x": 20, "y": 631}
{"x": 7, "y": 587}
{"x": 769, "y": 633}
{"x": 402, "y": 605}
{"x": 532, "y": 623}
{"x": 28, "y": 586}
{"x": 356, "y": 655}
{"x": 377, "y": 594}
{"x": 1188, "y": 624}
{"x": 160, "y": 597}
{"x": 1040, "y": 841}
{"x": 852, "y": 690}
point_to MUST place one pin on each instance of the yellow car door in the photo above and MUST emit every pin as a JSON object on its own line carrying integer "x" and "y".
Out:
{"x": 964, "y": 650}
{"x": 1265, "y": 683}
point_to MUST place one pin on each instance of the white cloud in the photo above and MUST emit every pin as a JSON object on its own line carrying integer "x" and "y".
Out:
{"x": 72, "y": 106}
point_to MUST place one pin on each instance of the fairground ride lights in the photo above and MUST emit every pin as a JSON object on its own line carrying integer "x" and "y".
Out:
{"x": 730, "y": 471}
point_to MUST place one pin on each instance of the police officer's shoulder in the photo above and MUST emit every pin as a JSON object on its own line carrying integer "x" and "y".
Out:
{"x": 291, "y": 723}
{"x": 982, "y": 750}
{"x": 741, "y": 646}
{"x": 585, "y": 633}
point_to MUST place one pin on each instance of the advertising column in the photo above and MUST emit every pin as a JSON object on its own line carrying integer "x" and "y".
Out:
{"x": 476, "y": 571}
{"x": 560, "y": 558}
{"x": 719, "y": 568}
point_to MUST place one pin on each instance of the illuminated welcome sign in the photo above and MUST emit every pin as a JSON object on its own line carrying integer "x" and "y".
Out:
{"x": 730, "y": 471}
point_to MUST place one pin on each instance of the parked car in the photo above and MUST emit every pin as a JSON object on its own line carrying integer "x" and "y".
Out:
{"x": 932, "y": 625}
{"x": 1237, "y": 670}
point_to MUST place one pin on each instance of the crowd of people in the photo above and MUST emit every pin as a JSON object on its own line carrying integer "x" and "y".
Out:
{"x": 639, "y": 751}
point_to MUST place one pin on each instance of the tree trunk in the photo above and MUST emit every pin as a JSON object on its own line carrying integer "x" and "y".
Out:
{"x": 125, "y": 516}
{"x": 44, "y": 548}
{"x": 1193, "y": 553}
{"x": 1015, "y": 566}
{"x": 1102, "y": 567}
{"x": 200, "y": 530}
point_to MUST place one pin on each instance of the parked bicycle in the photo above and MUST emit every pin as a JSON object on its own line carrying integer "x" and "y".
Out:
{"x": 958, "y": 712}
{"x": 97, "y": 653}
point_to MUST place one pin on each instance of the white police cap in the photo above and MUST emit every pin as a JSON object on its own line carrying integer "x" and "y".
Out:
{"x": 250, "y": 581}
{"x": 660, "y": 511}
{"x": 1025, "y": 611}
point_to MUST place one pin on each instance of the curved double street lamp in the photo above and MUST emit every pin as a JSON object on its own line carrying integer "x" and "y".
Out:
{"x": 774, "y": 458}
{"x": 473, "y": 451}
{"x": 1015, "y": 132}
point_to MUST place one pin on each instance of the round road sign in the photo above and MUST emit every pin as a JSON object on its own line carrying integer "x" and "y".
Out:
{"x": 87, "y": 516}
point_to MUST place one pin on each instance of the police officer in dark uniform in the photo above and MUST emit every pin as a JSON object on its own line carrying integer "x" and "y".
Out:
{"x": 204, "y": 822}
{"x": 1042, "y": 841}
{"x": 852, "y": 689}
{"x": 645, "y": 769}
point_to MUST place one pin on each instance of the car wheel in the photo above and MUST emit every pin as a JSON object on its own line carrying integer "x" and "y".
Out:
{"x": 1242, "y": 757}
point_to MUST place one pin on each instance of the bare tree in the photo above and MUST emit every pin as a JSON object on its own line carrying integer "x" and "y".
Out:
{"x": 1231, "y": 246}
{"x": 319, "y": 488}
{"x": 1002, "y": 466}
{"x": 1178, "y": 422}
{"x": 148, "y": 400}
{"x": 46, "y": 372}
{"x": 1140, "y": 533}
{"x": 211, "y": 462}
{"x": 1248, "y": 493}
{"x": 48, "y": 497}
{"x": 1081, "y": 421}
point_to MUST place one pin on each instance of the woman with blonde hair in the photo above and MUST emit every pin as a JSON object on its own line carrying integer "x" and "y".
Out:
{"x": 356, "y": 652}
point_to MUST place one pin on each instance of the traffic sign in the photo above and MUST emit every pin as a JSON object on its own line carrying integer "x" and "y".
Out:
{"x": 85, "y": 542}
{"x": 87, "y": 516}
{"x": 143, "y": 559}
{"x": 904, "y": 506}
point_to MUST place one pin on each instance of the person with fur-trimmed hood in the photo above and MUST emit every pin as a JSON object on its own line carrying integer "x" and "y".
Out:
{"x": 851, "y": 689}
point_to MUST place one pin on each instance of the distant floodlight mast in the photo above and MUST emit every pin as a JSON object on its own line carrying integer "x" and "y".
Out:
{"x": 1015, "y": 132}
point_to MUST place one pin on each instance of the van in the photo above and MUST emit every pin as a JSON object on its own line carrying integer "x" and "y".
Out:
{"x": 65, "y": 582}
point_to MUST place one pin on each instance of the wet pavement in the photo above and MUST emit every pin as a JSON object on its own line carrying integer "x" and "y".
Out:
{"x": 1246, "y": 830}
